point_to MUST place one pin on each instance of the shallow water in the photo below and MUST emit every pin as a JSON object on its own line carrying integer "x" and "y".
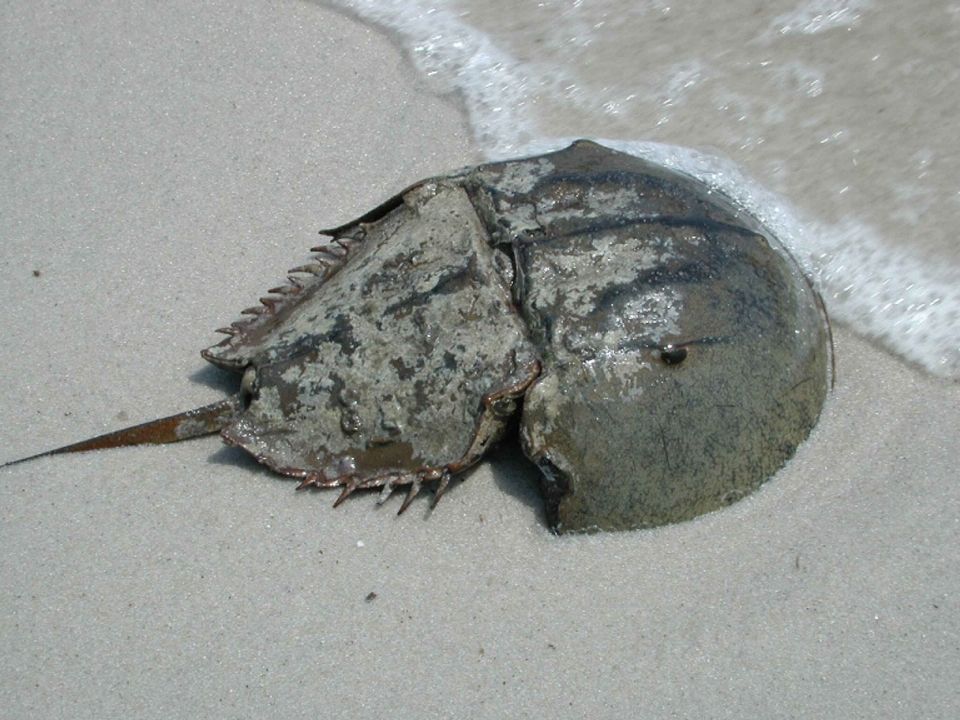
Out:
{"x": 846, "y": 110}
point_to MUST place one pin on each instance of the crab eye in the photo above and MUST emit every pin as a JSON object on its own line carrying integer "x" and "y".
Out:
{"x": 673, "y": 354}
{"x": 248, "y": 386}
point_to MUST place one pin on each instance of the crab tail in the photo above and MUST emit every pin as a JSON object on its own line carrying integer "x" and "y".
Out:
{"x": 190, "y": 424}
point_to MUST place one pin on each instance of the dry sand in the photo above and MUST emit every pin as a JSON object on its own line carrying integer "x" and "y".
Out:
{"x": 163, "y": 165}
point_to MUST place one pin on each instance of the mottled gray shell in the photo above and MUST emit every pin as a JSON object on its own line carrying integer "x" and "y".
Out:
{"x": 668, "y": 357}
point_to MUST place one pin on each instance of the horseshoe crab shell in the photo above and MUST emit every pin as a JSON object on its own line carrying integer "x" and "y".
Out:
{"x": 684, "y": 353}
{"x": 665, "y": 356}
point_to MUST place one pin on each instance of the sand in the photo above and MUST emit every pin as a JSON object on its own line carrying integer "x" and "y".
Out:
{"x": 162, "y": 167}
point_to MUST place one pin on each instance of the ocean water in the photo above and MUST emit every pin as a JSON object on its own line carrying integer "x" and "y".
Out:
{"x": 835, "y": 122}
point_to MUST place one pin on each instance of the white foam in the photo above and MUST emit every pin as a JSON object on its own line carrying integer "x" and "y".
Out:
{"x": 888, "y": 293}
{"x": 815, "y": 16}
{"x": 444, "y": 48}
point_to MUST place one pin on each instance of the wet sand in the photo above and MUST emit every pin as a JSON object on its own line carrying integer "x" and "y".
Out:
{"x": 163, "y": 169}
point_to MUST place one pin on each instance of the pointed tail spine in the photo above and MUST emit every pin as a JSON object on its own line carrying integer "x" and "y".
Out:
{"x": 183, "y": 426}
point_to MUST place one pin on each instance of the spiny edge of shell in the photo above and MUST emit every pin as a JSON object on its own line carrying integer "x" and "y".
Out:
{"x": 328, "y": 260}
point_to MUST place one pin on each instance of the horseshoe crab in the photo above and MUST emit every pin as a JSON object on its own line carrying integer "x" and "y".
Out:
{"x": 662, "y": 354}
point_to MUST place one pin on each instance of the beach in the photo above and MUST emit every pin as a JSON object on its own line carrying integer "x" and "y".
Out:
{"x": 163, "y": 167}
